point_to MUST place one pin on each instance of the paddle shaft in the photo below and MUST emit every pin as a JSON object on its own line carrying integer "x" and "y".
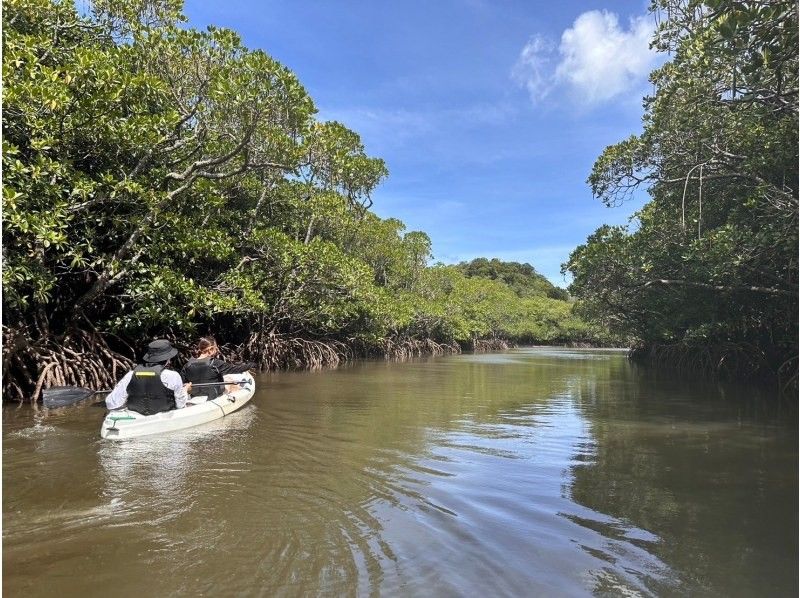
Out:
{"x": 67, "y": 395}
{"x": 201, "y": 385}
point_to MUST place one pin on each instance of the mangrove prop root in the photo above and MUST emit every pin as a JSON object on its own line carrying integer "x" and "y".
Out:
{"x": 727, "y": 360}
{"x": 80, "y": 358}
{"x": 788, "y": 376}
{"x": 490, "y": 344}
{"x": 278, "y": 352}
{"x": 85, "y": 359}
{"x": 282, "y": 352}
{"x": 406, "y": 348}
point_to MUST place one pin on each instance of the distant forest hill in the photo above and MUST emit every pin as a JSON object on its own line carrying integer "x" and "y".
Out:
{"x": 522, "y": 278}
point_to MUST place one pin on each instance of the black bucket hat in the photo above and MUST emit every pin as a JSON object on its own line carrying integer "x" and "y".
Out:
{"x": 160, "y": 350}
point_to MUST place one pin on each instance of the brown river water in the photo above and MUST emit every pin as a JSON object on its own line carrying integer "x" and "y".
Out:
{"x": 533, "y": 472}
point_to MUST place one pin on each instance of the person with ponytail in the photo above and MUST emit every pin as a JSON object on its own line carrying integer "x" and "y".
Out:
{"x": 206, "y": 366}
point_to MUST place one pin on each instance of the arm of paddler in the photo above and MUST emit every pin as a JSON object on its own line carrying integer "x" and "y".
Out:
{"x": 174, "y": 382}
{"x": 227, "y": 367}
{"x": 117, "y": 397}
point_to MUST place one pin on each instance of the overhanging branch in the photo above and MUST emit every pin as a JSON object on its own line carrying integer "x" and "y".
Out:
{"x": 700, "y": 285}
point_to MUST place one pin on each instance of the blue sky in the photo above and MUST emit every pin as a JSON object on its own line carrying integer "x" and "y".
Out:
{"x": 489, "y": 115}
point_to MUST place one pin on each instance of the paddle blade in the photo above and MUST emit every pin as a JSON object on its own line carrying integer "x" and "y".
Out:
{"x": 61, "y": 396}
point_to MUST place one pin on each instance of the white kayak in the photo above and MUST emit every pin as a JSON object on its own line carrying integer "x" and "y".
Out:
{"x": 122, "y": 423}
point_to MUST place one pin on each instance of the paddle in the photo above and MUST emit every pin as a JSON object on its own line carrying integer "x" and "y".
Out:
{"x": 62, "y": 396}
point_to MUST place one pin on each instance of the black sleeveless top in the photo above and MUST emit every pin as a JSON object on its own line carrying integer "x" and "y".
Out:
{"x": 199, "y": 371}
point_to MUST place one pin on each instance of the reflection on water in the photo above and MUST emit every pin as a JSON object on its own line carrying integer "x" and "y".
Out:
{"x": 529, "y": 472}
{"x": 164, "y": 462}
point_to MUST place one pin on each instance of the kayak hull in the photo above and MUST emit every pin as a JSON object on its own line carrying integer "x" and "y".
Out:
{"x": 122, "y": 423}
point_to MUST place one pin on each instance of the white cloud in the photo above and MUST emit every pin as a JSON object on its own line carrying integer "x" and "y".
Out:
{"x": 602, "y": 60}
{"x": 596, "y": 61}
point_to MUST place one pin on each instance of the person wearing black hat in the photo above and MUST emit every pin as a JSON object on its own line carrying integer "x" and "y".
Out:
{"x": 150, "y": 387}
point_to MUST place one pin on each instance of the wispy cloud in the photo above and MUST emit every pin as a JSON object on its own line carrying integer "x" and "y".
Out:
{"x": 596, "y": 60}
{"x": 414, "y": 122}
{"x": 387, "y": 126}
{"x": 534, "y": 67}
{"x": 429, "y": 130}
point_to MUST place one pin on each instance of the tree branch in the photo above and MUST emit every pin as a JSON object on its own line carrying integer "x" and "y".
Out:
{"x": 700, "y": 285}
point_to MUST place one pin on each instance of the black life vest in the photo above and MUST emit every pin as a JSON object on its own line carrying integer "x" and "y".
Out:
{"x": 147, "y": 393}
{"x": 201, "y": 371}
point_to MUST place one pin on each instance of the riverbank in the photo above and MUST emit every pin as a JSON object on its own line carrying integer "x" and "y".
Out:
{"x": 97, "y": 362}
{"x": 730, "y": 361}
{"x": 90, "y": 361}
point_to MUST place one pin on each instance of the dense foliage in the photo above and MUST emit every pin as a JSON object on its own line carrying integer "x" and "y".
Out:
{"x": 708, "y": 275}
{"x": 522, "y": 278}
{"x": 160, "y": 180}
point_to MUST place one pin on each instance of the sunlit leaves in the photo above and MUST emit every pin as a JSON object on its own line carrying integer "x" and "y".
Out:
{"x": 335, "y": 158}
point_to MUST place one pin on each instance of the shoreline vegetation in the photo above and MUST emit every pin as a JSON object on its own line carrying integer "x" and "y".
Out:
{"x": 165, "y": 181}
{"x": 705, "y": 278}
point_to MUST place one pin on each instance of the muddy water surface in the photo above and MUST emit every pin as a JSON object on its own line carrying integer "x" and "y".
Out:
{"x": 531, "y": 472}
